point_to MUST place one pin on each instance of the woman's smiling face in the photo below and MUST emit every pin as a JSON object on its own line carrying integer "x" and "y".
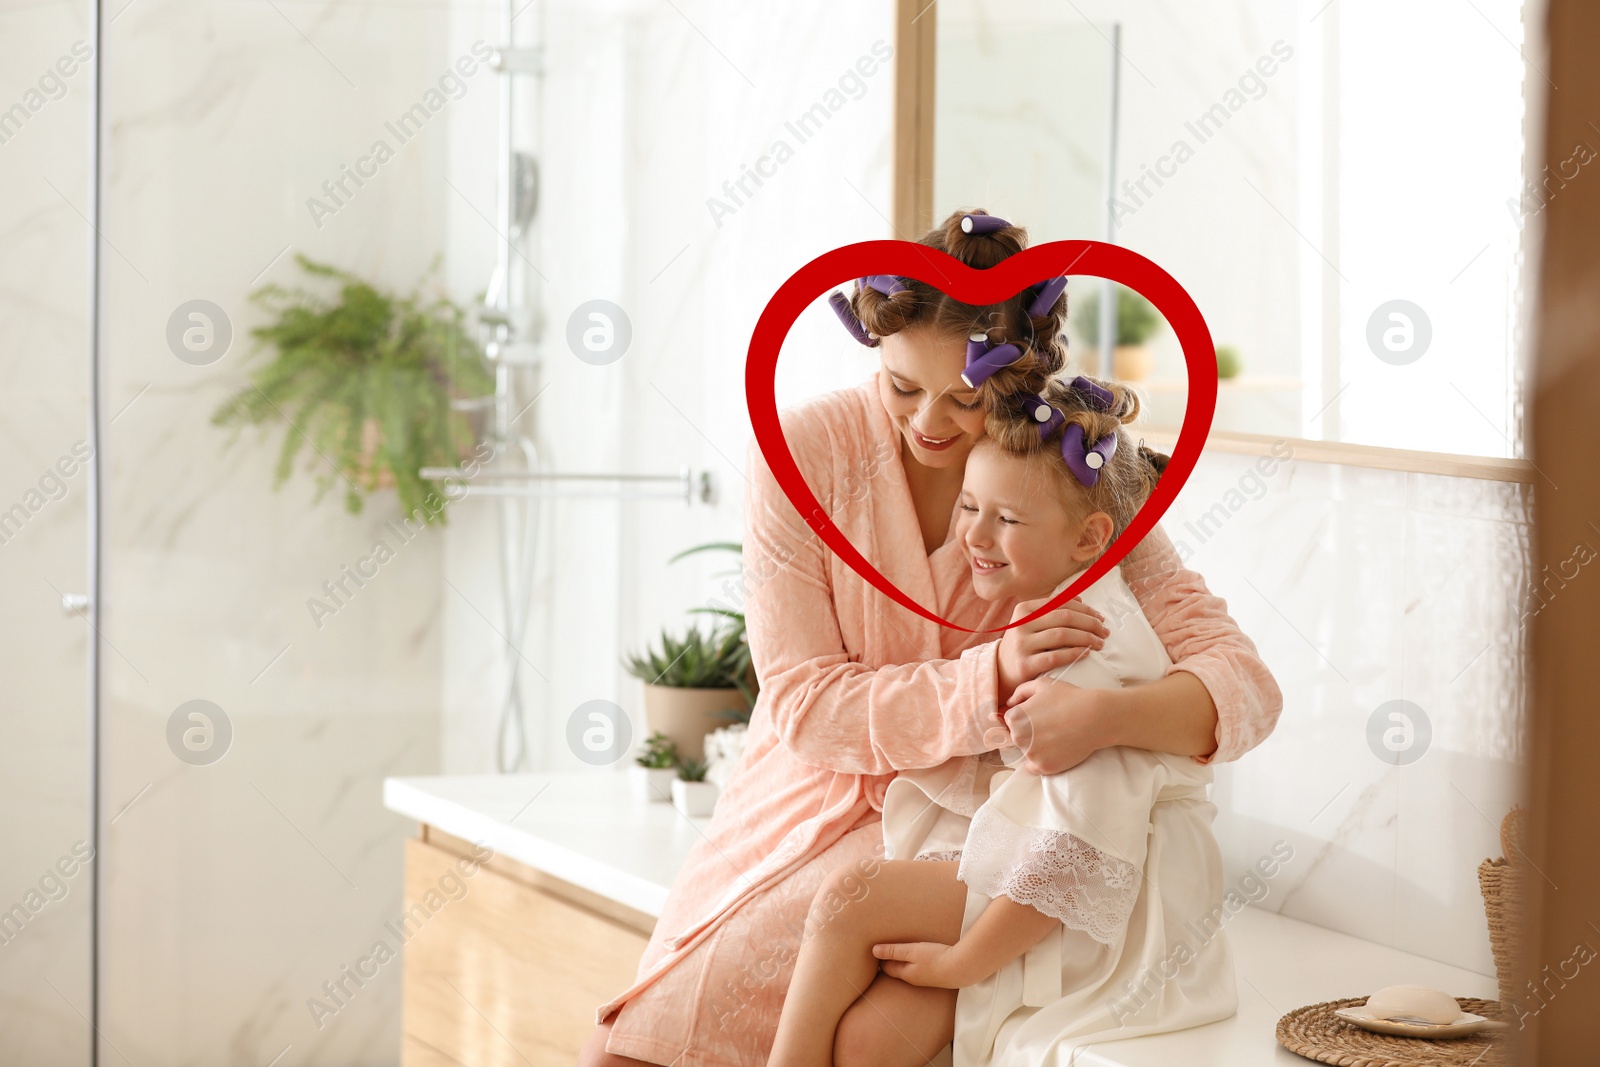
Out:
{"x": 938, "y": 415}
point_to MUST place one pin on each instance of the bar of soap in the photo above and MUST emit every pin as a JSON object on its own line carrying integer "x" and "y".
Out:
{"x": 1413, "y": 1003}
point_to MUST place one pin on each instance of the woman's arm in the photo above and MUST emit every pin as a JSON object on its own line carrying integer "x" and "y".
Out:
{"x": 1003, "y": 932}
{"x": 1238, "y": 700}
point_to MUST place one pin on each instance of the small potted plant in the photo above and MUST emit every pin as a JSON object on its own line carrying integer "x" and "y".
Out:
{"x": 691, "y": 793}
{"x": 693, "y": 684}
{"x": 1137, "y": 322}
{"x": 363, "y": 383}
{"x": 1229, "y": 365}
{"x": 732, "y": 618}
{"x": 655, "y": 768}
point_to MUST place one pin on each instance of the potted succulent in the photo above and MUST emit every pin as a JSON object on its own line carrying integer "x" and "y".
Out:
{"x": 366, "y": 379}
{"x": 655, "y": 768}
{"x": 1137, "y": 322}
{"x": 693, "y": 684}
{"x": 691, "y": 793}
{"x": 733, "y": 620}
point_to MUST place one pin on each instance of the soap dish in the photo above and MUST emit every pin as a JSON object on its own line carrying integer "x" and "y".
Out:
{"x": 1468, "y": 1023}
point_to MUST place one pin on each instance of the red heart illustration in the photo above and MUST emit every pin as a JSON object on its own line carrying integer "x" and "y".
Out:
{"x": 980, "y": 287}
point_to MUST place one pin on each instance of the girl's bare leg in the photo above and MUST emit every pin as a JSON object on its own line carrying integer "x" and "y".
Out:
{"x": 905, "y": 900}
{"x": 896, "y": 1024}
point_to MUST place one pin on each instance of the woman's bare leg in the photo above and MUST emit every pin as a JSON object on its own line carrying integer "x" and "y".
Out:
{"x": 904, "y": 900}
{"x": 896, "y": 1024}
{"x": 594, "y": 1052}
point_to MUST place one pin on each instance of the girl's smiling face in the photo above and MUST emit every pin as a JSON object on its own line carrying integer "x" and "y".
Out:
{"x": 1022, "y": 536}
{"x": 938, "y": 415}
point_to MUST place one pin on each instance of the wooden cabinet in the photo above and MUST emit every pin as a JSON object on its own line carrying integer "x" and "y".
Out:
{"x": 503, "y": 967}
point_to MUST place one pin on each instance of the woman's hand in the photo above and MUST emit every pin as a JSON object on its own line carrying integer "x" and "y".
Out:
{"x": 1053, "y": 640}
{"x": 924, "y": 963}
{"x": 1058, "y": 725}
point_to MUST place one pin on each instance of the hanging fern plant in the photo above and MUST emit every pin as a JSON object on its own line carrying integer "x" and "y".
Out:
{"x": 364, "y": 379}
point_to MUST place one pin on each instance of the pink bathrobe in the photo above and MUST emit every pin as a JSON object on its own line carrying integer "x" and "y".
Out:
{"x": 853, "y": 689}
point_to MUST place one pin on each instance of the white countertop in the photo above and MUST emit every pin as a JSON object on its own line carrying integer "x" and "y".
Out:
{"x": 588, "y": 829}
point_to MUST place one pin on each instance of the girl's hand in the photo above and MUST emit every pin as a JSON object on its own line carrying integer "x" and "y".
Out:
{"x": 1058, "y": 725}
{"x": 1053, "y": 640}
{"x": 924, "y": 963}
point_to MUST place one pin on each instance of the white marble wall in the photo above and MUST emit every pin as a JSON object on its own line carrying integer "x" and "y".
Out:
{"x": 1362, "y": 587}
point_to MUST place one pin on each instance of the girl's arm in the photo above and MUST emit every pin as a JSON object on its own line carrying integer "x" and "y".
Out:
{"x": 830, "y": 709}
{"x": 1002, "y": 933}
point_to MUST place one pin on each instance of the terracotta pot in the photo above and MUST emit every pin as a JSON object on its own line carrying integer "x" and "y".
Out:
{"x": 1131, "y": 363}
{"x": 687, "y": 715}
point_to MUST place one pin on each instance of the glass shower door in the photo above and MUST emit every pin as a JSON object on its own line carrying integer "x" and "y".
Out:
{"x": 46, "y": 864}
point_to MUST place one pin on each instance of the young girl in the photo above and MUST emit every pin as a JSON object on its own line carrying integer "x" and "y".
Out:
{"x": 1092, "y": 897}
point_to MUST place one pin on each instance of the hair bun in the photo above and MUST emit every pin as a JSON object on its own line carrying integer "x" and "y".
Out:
{"x": 978, "y": 249}
{"x": 1157, "y": 460}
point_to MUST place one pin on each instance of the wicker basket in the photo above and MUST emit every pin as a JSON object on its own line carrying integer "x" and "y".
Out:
{"x": 1504, "y": 883}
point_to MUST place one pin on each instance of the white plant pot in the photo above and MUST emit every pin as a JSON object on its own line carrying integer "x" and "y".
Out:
{"x": 694, "y": 799}
{"x": 653, "y": 783}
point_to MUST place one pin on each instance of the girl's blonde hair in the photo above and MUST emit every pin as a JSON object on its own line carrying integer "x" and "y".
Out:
{"x": 1125, "y": 481}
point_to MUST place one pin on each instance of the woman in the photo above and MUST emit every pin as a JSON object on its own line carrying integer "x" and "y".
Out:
{"x": 855, "y": 688}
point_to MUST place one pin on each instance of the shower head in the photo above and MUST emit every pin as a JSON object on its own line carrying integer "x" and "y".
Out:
{"x": 524, "y": 191}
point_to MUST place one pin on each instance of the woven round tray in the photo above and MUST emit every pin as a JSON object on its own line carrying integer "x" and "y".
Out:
{"x": 1316, "y": 1033}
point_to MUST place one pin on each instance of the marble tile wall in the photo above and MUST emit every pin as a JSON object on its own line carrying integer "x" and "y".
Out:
{"x": 1362, "y": 587}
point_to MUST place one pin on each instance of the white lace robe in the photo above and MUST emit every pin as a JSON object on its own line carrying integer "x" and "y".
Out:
{"x": 1119, "y": 848}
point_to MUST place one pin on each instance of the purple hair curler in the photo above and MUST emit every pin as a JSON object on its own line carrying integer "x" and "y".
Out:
{"x": 887, "y": 284}
{"x": 983, "y": 359}
{"x": 1046, "y": 414}
{"x": 841, "y": 307}
{"x": 1083, "y": 460}
{"x": 982, "y": 223}
{"x": 1049, "y": 293}
{"x": 1100, "y": 398}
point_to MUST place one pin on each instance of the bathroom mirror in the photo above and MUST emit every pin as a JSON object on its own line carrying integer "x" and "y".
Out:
{"x": 1269, "y": 161}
